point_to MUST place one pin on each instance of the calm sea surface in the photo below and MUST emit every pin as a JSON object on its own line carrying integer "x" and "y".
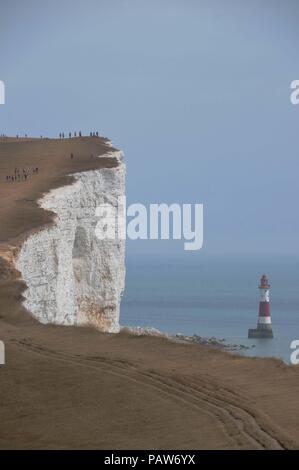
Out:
{"x": 214, "y": 296}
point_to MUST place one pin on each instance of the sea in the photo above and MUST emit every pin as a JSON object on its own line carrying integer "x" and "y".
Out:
{"x": 214, "y": 296}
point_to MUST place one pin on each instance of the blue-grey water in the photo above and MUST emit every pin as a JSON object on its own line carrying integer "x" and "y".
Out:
{"x": 214, "y": 296}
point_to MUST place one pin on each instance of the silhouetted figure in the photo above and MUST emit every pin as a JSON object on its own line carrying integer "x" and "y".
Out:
{"x": 80, "y": 135}
{"x": 75, "y": 134}
{"x": 72, "y": 156}
{"x": 70, "y": 134}
{"x": 97, "y": 134}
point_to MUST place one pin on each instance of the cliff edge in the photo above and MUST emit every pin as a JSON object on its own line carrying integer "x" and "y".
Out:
{"x": 71, "y": 277}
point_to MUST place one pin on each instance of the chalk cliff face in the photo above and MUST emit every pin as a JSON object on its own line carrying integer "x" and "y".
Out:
{"x": 73, "y": 278}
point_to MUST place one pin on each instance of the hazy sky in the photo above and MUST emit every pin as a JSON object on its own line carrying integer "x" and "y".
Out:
{"x": 196, "y": 93}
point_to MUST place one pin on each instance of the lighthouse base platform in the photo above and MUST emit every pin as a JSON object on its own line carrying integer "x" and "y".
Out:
{"x": 260, "y": 333}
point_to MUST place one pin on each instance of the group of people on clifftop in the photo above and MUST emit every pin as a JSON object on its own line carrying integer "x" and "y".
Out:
{"x": 18, "y": 136}
{"x": 21, "y": 174}
{"x": 62, "y": 135}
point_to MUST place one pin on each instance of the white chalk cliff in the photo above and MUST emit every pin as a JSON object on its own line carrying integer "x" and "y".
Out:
{"x": 72, "y": 277}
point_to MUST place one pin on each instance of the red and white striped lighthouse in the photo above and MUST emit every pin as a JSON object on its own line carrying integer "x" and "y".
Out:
{"x": 264, "y": 325}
